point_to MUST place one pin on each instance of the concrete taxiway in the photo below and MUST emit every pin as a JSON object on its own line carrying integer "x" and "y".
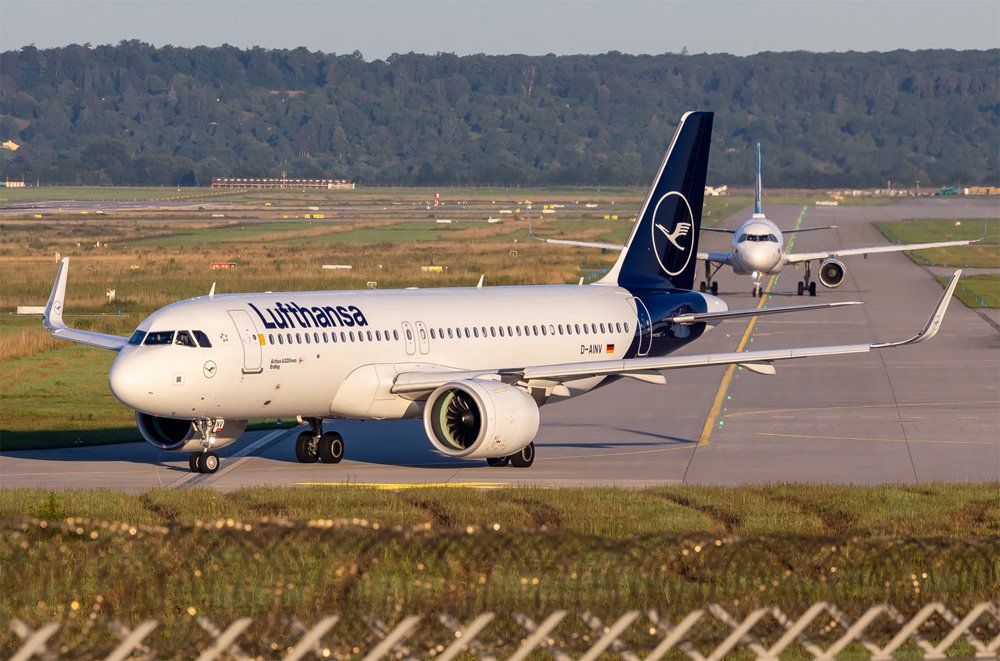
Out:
{"x": 925, "y": 413}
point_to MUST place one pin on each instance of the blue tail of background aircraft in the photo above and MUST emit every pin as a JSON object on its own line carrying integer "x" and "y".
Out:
{"x": 757, "y": 189}
{"x": 662, "y": 251}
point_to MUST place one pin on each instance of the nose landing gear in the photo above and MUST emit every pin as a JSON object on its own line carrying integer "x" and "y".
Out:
{"x": 758, "y": 288}
{"x": 204, "y": 462}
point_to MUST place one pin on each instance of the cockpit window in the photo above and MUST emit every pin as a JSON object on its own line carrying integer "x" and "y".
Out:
{"x": 184, "y": 339}
{"x": 202, "y": 339}
{"x": 159, "y": 337}
{"x": 772, "y": 238}
{"x": 137, "y": 338}
{"x": 743, "y": 237}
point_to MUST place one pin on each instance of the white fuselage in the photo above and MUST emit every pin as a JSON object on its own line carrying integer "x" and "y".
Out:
{"x": 758, "y": 247}
{"x": 337, "y": 353}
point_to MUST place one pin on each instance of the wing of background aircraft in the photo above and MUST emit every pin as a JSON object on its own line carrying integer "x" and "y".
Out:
{"x": 717, "y": 257}
{"x": 53, "y": 321}
{"x": 648, "y": 369}
{"x": 795, "y": 258}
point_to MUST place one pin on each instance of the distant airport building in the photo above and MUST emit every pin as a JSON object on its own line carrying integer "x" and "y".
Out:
{"x": 282, "y": 182}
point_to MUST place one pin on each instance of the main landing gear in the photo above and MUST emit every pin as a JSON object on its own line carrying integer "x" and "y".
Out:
{"x": 709, "y": 284}
{"x": 807, "y": 284}
{"x": 522, "y": 459}
{"x": 314, "y": 445}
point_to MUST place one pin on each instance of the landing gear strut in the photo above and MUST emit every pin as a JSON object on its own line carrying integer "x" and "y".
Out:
{"x": 758, "y": 288}
{"x": 314, "y": 445}
{"x": 205, "y": 461}
{"x": 807, "y": 284}
{"x": 709, "y": 284}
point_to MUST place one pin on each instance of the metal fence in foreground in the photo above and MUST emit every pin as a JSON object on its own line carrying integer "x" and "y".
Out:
{"x": 823, "y": 631}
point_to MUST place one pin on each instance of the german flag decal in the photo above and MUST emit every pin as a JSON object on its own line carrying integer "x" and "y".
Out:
{"x": 611, "y": 348}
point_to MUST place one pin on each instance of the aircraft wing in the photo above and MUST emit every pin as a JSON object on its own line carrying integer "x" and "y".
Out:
{"x": 847, "y": 252}
{"x": 580, "y": 244}
{"x": 717, "y": 257}
{"x": 53, "y": 321}
{"x": 809, "y": 229}
{"x": 648, "y": 369}
{"x": 720, "y": 230}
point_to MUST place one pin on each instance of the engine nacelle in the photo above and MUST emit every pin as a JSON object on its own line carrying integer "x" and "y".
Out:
{"x": 477, "y": 419}
{"x": 182, "y": 436}
{"x": 831, "y": 273}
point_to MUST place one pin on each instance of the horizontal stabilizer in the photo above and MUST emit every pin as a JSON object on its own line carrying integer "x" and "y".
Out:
{"x": 696, "y": 317}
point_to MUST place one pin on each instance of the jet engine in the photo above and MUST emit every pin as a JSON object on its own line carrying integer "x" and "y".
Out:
{"x": 831, "y": 273}
{"x": 477, "y": 419}
{"x": 182, "y": 435}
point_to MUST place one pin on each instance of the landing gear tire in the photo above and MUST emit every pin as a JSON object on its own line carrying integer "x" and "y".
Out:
{"x": 812, "y": 288}
{"x": 331, "y": 447}
{"x": 801, "y": 288}
{"x": 497, "y": 461}
{"x": 714, "y": 288}
{"x": 524, "y": 458}
{"x": 208, "y": 462}
{"x": 703, "y": 287}
{"x": 306, "y": 448}
{"x": 757, "y": 293}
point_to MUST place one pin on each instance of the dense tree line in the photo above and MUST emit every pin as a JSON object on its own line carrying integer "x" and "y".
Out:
{"x": 137, "y": 114}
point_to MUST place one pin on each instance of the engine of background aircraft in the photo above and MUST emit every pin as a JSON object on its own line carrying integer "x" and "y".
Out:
{"x": 831, "y": 273}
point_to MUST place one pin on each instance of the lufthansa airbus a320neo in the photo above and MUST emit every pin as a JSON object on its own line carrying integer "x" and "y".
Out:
{"x": 475, "y": 363}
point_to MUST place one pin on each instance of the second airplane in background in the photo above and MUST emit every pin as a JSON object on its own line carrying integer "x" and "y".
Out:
{"x": 758, "y": 250}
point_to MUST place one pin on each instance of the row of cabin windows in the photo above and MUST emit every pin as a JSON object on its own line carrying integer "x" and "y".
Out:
{"x": 182, "y": 338}
{"x": 326, "y": 338}
{"x": 451, "y": 333}
{"x": 527, "y": 331}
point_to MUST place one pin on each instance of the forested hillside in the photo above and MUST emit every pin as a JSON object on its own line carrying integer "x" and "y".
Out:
{"x": 137, "y": 114}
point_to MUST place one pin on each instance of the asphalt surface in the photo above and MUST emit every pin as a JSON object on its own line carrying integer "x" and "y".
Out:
{"x": 917, "y": 414}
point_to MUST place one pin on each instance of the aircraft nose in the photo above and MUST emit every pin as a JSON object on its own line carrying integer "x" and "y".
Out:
{"x": 124, "y": 380}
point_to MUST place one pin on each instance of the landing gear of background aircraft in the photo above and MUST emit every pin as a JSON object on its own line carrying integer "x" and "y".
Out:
{"x": 709, "y": 284}
{"x": 758, "y": 288}
{"x": 524, "y": 458}
{"x": 331, "y": 447}
{"x": 204, "y": 462}
{"x": 807, "y": 284}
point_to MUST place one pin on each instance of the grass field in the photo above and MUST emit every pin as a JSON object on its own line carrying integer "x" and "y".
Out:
{"x": 975, "y": 290}
{"x": 272, "y": 554}
{"x": 985, "y": 254}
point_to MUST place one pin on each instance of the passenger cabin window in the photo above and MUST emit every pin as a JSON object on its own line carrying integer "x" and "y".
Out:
{"x": 184, "y": 339}
{"x": 159, "y": 337}
{"x": 137, "y": 338}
